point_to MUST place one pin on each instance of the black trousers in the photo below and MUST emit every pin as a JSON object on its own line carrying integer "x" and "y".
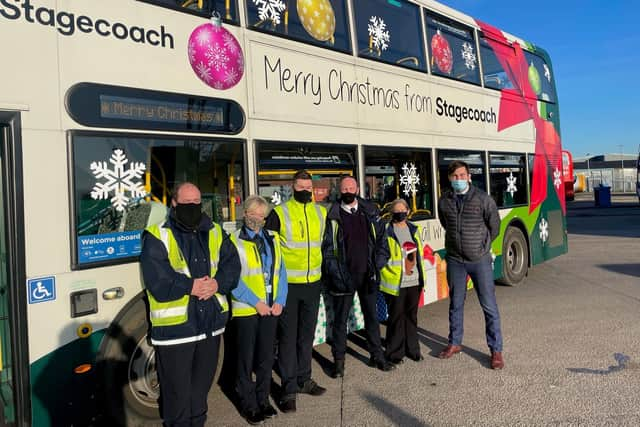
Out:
{"x": 255, "y": 337}
{"x": 402, "y": 324}
{"x": 186, "y": 373}
{"x": 296, "y": 330}
{"x": 342, "y": 304}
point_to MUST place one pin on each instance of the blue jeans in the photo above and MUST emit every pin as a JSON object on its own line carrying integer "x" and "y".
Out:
{"x": 482, "y": 276}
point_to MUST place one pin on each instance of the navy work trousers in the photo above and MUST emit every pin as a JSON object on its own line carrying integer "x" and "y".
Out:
{"x": 296, "y": 330}
{"x": 186, "y": 373}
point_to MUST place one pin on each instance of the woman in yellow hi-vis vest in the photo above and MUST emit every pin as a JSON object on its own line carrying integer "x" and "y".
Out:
{"x": 256, "y": 305}
{"x": 402, "y": 281}
{"x": 300, "y": 226}
{"x": 189, "y": 266}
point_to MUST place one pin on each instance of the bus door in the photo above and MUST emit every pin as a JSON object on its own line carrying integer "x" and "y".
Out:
{"x": 13, "y": 377}
{"x": 278, "y": 162}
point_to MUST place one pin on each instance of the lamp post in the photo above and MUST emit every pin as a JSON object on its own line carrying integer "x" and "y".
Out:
{"x": 588, "y": 172}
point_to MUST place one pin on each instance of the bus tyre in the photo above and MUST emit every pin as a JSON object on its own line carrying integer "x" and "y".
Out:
{"x": 132, "y": 389}
{"x": 515, "y": 257}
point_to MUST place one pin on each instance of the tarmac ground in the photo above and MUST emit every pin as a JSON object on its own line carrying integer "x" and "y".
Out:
{"x": 572, "y": 348}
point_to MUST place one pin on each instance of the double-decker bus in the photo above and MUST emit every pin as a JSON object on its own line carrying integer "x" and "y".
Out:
{"x": 105, "y": 106}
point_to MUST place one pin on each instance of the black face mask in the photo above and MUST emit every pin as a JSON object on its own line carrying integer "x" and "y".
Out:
{"x": 303, "y": 196}
{"x": 399, "y": 216}
{"x": 189, "y": 214}
{"x": 348, "y": 198}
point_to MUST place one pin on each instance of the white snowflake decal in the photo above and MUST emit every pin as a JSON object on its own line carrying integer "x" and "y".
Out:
{"x": 544, "y": 230}
{"x": 118, "y": 180}
{"x": 203, "y": 71}
{"x": 409, "y": 178}
{"x": 469, "y": 56}
{"x": 379, "y": 37}
{"x": 217, "y": 57}
{"x": 276, "y": 198}
{"x": 547, "y": 72}
{"x": 556, "y": 178}
{"x": 511, "y": 184}
{"x": 270, "y": 9}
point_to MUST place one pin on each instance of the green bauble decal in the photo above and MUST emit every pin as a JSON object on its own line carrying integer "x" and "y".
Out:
{"x": 534, "y": 79}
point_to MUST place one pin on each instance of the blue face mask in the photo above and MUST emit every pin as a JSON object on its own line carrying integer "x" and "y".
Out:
{"x": 459, "y": 185}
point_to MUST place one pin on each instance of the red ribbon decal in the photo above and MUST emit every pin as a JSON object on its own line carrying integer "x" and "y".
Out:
{"x": 519, "y": 105}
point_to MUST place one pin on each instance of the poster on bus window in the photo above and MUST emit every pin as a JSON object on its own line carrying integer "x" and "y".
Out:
{"x": 102, "y": 247}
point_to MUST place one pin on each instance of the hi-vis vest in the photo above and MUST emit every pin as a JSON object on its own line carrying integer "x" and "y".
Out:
{"x": 176, "y": 312}
{"x": 391, "y": 274}
{"x": 301, "y": 237}
{"x": 252, "y": 274}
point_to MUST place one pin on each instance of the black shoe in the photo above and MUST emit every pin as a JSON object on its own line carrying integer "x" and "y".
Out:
{"x": 287, "y": 406}
{"x": 268, "y": 411}
{"x": 338, "y": 369}
{"x": 312, "y": 388}
{"x": 381, "y": 364}
{"x": 416, "y": 358}
{"x": 253, "y": 417}
{"x": 396, "y": 361}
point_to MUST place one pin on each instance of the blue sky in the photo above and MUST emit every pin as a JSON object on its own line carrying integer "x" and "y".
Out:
{"x": 595, "y": 50}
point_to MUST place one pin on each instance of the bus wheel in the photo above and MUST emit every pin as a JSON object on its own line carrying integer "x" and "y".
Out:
{"x": 130, "y": 378}
{"x": 515, "y": 258}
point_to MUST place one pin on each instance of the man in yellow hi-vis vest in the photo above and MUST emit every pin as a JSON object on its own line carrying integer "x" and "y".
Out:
{"x": 189, "y": 267}
{"x": 300, "y": 225}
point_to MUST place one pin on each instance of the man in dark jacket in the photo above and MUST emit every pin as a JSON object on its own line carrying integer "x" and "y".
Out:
{"x": 470, "y": 218}
{"x": 189, "y": 267}
{"x": 354, "y": 250}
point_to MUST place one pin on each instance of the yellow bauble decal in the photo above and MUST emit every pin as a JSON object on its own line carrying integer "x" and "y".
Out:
{"x": 318, "y": 18}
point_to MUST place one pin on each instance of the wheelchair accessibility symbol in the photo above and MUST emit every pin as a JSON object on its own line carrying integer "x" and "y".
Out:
{"x": 41, "y": 289}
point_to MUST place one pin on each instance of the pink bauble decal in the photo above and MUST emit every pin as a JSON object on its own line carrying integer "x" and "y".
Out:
{"x": 215, "y": 55}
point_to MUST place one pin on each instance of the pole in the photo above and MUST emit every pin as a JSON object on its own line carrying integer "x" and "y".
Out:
{"x": 588, "y": 173}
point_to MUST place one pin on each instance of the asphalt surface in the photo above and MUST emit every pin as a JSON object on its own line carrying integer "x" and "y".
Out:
{"x": 572, "y": 341}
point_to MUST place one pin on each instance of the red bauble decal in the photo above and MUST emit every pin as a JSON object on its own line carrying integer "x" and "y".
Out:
{"x": 441, "y": 52}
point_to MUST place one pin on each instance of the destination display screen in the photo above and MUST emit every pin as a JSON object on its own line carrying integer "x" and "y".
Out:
{"x": 120, "y": 107}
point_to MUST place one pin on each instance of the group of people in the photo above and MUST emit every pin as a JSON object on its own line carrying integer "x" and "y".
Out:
{"x": 269, "y": 275}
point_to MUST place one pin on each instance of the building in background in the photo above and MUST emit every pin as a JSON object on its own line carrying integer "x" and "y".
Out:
{"x": 617, "y": 171}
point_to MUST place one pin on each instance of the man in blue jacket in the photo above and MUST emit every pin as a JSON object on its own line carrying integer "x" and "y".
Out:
{"x": 354, "y": 250}
{"x": 189, "y": 267}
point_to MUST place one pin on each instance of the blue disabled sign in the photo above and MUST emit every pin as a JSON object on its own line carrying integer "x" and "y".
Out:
{"x": 41, "y": 289}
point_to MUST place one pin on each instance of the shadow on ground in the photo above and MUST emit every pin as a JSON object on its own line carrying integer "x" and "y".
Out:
{"x": 393, "y": 413}
{"x": 627, "y": 269}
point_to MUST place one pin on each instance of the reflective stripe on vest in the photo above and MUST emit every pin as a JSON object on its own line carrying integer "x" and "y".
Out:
{"x": 251, "y": 272}
{"x": 175, "y": 312}
{"x": 391, "y": 274}
{"x": 301, "y": 240}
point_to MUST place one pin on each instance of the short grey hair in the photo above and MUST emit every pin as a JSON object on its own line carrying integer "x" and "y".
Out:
{"x": 399, "y": 202}
{"x": 253, "y": 201}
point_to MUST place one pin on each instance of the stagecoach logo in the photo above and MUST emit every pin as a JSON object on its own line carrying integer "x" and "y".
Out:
{"x": 67, "y": 23}
{"x": 118, "y": 180}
